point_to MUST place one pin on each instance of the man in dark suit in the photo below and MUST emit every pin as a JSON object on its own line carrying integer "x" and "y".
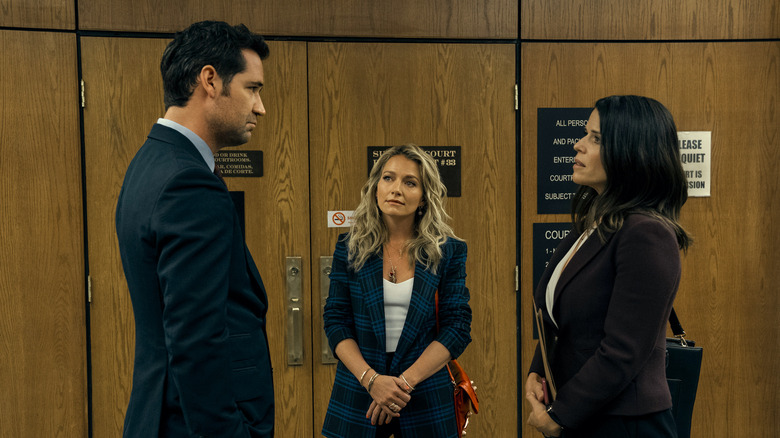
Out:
{"x": 202, "y": 366}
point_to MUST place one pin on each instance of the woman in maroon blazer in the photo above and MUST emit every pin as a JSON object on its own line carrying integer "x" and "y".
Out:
{"x": 608, "y": 291}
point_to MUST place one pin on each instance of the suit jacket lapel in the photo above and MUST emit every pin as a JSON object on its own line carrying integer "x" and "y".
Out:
{"x": 421, "y": 306}
{"x": 370, "y": 279}
{"x": 169, "y": 135}
{"x": 587, "y": 251}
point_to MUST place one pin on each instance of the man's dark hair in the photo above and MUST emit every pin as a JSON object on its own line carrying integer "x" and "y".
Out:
{"x": 214, "y": 43}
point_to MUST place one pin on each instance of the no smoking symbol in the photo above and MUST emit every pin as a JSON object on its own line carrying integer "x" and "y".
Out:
{"x": 339, "y": 218}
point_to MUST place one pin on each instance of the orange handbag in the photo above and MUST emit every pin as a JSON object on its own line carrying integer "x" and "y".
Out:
{"x": 466, "y": 400}
{"x": 465, "y": 392}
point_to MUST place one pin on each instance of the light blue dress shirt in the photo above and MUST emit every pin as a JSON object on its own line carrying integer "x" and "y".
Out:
{"x": 200, "y": 145}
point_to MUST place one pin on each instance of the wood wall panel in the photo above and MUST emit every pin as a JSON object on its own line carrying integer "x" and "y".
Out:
{"x": 436, "y": 95}
{"x": 43, "y": 373}
{"x": 729, "y": 289}
{"x": 349, "y": 18}
{"x": 124, "y": 99}
{"x": 277, "y": 226}
{"x": 46, "y": 14}
{"x": 649, "y": 20}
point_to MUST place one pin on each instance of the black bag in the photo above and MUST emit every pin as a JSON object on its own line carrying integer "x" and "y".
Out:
{"x": 683, "y": 364}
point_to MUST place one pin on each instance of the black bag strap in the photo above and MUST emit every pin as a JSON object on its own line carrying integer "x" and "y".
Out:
{"x": 678, "y": 331}
{"x": 675, "y": 323}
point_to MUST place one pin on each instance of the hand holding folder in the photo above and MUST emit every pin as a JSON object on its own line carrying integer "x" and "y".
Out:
{"x": 545, "y": 346}
{"x": 546, "y": 392}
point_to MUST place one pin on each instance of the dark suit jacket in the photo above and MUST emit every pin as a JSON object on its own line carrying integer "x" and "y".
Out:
{"x": 355, "y": 309}
{"x": 612, "y": 304}
{"x": 202, "y": 365}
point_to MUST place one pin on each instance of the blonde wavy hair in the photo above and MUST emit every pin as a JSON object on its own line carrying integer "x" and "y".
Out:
{"x": 369, "y": 232}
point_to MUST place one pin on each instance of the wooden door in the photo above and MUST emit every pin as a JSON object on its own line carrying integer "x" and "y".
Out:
{"x": 363, "y": 94}
{"x": 43, "y": 373}
{"x": 728, "y": 291}
{"x": 124, "y": 98}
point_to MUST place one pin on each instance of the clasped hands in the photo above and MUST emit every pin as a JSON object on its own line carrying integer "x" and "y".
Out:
{"x": 390, "y": 395}
{"x": 539, "y": 418}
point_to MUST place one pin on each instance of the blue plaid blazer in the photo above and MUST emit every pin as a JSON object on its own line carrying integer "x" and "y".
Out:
{"x": 355, "y": 309}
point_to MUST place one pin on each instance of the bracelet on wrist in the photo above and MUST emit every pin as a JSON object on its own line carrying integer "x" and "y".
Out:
{"x": 371, "y": 382}
{"x": 411, "y": 388}
{"x": 364, "y": 375}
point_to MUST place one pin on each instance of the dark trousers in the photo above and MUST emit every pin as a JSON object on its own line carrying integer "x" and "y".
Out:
{"x": 387, "y": 430}
{"x": 655, "y": 425}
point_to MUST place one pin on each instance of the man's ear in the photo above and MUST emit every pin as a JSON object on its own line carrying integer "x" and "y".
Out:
{"x": 209, "y": 80}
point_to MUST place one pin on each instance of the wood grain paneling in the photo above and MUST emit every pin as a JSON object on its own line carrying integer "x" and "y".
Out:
{"x": 729, "y": 289}
{"x": 644, "y": 20}
{"x": 277, "y": 225}
{"x": 43, "y": 373}
{"x": 124, "y": 99}
{"x": 46, "y": 14}
{"x": 351, "y": 18}
{"x": 123, "y": 93}
{"x": 436, "y": 95}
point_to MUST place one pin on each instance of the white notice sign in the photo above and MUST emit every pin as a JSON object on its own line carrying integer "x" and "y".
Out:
{"x": 340, "y": 218}
{"x": 696, "y": 154}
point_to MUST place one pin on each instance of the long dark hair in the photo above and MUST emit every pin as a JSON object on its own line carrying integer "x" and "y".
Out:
{"x": 641, "y": 157}
{"x": 214, "y": 43}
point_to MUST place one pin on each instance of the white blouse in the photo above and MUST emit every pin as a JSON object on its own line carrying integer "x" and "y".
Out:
{"x": 397, "y": 298}
{"x": 556, "y": 275}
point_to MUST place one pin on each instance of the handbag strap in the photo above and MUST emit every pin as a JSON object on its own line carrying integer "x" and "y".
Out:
{"x": 677, "y": 329}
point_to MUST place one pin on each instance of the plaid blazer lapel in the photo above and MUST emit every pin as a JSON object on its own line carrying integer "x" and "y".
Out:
{"x": 370, "y": 278}
{"x": 421, "y": 306}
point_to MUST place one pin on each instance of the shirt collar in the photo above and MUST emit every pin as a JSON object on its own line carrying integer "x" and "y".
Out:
{"x": 200, "y": 145}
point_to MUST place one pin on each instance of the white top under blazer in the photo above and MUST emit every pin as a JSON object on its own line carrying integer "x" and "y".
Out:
{"x": 397, "y": 298}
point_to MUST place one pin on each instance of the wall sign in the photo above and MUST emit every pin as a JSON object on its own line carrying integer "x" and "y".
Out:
{"x": 240, "y": 163}
{"x": 340, "y": 218}
{"x": 447, "y": 159}
{"x": 558, "y": 129}
{"x": 546, "y": 238}
{"x": 696, "y": 153}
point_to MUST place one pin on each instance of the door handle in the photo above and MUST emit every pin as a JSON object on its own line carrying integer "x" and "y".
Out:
{"x": 326, "y": 262}
{"x": 294, "y": 337}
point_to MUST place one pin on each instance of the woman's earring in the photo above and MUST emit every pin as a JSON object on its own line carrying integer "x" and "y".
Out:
{"x": 419, "y": 211}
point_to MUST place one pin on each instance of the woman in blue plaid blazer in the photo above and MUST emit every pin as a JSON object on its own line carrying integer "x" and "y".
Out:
{"x": 380, "y": 316}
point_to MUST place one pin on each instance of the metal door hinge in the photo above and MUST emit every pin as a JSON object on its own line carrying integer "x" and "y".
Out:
{"x": 83, "y": 101}
{"x": 517, "y": 279}
{"x": 517, "y": 99}
{"x": 89, "y": 289}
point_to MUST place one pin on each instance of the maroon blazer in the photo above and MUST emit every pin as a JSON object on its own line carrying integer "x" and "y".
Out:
{"x": 612, "y": 304}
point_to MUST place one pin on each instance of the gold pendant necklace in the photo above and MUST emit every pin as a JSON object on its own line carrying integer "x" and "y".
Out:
{"x": 392, "y": 276}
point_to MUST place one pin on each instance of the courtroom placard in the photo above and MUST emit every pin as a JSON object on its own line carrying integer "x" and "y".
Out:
{"x": 558, "y": 129}
{"x": 546, "y": 238}
{"x": 695, "y": 154}
{"x": 243, "y": 164}
{"x": 448, "y": 160}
